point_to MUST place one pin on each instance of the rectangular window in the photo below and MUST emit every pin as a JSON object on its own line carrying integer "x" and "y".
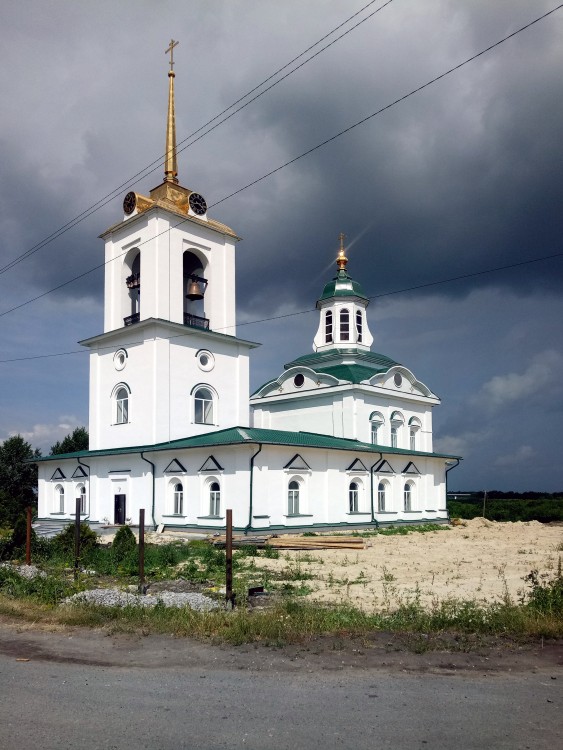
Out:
{"x": 393, "y": 437}
{"x": 374, "y": 431}
{"x": 359, "y": 326}
{"x": 413, "y": 440}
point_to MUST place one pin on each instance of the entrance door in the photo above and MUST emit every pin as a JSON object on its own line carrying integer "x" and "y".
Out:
{"x": 119, "y": 515}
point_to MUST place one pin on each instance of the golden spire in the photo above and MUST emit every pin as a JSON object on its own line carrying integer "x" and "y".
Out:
{"x": 341, "y": 259}
{"x": 170, "y": 164}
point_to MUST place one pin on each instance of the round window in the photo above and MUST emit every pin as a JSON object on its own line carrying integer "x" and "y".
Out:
{"x": 398, "y": 379}
{"x": 120, "y": 359}
{"x": 298, "y": 380}
{"x": 205, "y": 360}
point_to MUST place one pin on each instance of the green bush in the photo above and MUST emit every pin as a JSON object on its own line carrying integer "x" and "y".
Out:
{"x": 64, "y": 542}
{"x": 124, "y": 543}
{"x": 546, "y": 596}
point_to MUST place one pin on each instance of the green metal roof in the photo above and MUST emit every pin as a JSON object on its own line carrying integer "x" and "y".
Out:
{"x": 334, "y": 357}
{"x": 359, "y": 365}
{"x": 342, "y": 285}
{"x": 351, "y": 373}
{"x": 250, "y": 435}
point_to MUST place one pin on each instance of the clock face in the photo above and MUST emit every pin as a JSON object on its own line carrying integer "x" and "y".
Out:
{"x": 129, "y": 203}
{"x": 197, "y": 204}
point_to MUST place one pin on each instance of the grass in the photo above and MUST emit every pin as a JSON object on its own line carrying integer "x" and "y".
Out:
{"x": 402, "y": 530}
{"x": 538, "y": 613}
{"x": 290, "y": 620}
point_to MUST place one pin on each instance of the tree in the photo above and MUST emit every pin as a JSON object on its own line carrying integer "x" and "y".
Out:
{"x": 78, "y": 440}
{"x": 18, "y": 479}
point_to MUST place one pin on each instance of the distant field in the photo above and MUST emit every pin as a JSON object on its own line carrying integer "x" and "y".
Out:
{"x": 502, "y": 507}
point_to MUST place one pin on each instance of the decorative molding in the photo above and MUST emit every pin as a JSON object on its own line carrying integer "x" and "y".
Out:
{"x": 212, "y": 465}
{"x": 356, "y": 466}
{"x": 410, "y": 468}
{"x": 58, "y": 474}
{"x": 384, "y": 468}
{"x": 297, "y": 463}
{"x": 174, "y": 467}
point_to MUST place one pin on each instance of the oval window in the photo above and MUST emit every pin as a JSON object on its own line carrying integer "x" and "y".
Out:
{"x": 398, "y": 379}
{"x": 298, "y": 380}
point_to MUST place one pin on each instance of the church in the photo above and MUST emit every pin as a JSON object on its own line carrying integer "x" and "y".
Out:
{"x": 341, "y": 438}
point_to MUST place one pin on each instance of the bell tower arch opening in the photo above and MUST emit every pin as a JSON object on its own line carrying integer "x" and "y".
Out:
{"x": 193, "y": 288}
{"x": 131, "y": 290}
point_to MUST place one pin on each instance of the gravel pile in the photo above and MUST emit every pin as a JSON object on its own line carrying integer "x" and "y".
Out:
{"x": 25, "y": 571}
{"x": 117, "y": 598}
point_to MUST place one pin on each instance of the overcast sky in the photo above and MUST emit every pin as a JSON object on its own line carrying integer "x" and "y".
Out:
{"x": 462, "y": 177}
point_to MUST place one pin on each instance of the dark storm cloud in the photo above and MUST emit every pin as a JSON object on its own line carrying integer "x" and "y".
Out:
{"x": 461, "y": 177}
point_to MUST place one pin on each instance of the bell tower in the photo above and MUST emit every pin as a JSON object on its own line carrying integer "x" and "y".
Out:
{"x": 169, "y": 343}
{"x": 167, "y": 258}
{"x": 343, "y": 321}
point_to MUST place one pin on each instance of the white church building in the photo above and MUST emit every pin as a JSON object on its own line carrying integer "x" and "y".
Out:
{"x": 341, "y": 438}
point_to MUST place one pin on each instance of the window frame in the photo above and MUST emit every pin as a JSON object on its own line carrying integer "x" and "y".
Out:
{"x": 214, "y": 499}
{"x": 177, "y": 498}
{"x": 360, "y": 326}
{"x": 293, "y": 497}
{"x": 59, "y": 498}
{"x": 381, "y": 496}
{"x": 119, "y": 412}
{"x": 344, "y": 324}
{"x": 354, "y": 497}
{"x": 329, "y": 327}
{"x": 408, "y": 497}
{"x": 196, "y": 401}
{"x": 82, "y": 496}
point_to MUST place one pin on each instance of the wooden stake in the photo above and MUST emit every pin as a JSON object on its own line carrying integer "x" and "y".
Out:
{"x": 229, "y": 596}
{"x": 28, "y": 537}
{"x": 142, "y": 551}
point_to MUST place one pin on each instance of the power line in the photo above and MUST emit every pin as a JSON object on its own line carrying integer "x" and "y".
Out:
{"x": 310, "y": 309}
{"x": 305, "y": 153}
{"x": 152, "y": 168}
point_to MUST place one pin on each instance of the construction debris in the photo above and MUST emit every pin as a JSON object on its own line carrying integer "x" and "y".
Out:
{"x": 293, "y": 542}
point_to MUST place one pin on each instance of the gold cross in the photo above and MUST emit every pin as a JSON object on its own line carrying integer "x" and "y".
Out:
{"x": 342, "y": 237}
{"x": 171, "y": 50}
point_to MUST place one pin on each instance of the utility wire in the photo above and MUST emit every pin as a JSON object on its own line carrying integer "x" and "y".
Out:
{"x": 158, "y": 162}
{"x": 308, "y": 310}
{"x": 305, "y": 153}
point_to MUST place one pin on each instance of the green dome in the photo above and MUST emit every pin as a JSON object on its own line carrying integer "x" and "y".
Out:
{"x": 342, "y": 285}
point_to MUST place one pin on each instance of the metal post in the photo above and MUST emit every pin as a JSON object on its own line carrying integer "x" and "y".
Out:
{"x": 484, "y": 502}
{"x": 28, "y": 537}
{"x": 229, "y": 596}
{"x": 77, "y": 538}
{"x": 142, "y": 551}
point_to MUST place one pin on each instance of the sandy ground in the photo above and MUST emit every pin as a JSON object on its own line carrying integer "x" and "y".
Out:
{"x": 479, "y": 560}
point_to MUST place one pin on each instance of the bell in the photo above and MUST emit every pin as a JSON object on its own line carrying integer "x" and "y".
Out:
{"x": 194, "y": 291}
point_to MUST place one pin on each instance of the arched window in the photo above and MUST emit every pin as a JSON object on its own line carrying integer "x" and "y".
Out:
{"x": 293, "y": 498}
{"x": 59, "y": 499}
{"x": 376, "y": 420}
{"x": 82, "y": 498}
{"x": 381, "y": 496}
{"x": 121, "y": 405}
{"x": 359, "y": 326}
{"x": 178, "y": 499}
{"x": 203, "y": 406}
{"x": 353, "y": 497}
{"x": 414, "y": 427}
{"x": 344, "y": 325}
{"x": 328, "y": 327}
{"x": 408, "y": 496}
{"x": 214, "y": 499}
{"x": 397, "y": 421}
